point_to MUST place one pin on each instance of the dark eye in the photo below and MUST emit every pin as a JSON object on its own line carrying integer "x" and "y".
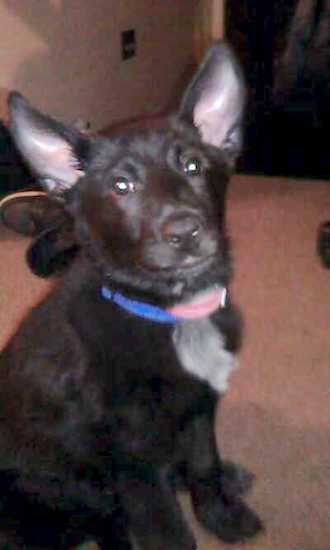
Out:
{"x": 123, "y": 186}
{"x": 192, "y": 166}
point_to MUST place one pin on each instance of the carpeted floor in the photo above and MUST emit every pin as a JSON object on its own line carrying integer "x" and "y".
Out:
{"x": 276, "y": 417}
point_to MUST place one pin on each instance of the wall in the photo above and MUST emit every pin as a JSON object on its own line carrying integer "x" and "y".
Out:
{"x": 65, "y": 55}
{"x": 209, "y": 25}
{"x": 218, "y": 18}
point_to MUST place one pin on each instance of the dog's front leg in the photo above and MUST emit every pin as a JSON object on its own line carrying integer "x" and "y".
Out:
{"x": 216, "y": 487}
{"x": 155, "y": 517}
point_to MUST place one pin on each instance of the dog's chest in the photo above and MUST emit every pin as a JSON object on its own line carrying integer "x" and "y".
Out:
{"x": 200, "y": 348}
{"x": 142, "y": 349}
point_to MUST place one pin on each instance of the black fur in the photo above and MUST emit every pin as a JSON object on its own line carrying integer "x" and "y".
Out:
{"x": 99, "y": 421}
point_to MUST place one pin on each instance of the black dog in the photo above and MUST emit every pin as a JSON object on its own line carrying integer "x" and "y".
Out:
{"x": 108, "y": 390}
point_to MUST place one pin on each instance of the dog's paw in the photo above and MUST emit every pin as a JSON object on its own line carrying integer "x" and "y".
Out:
{"x": 172, "y": 542}
{"x": 235, "y": 479}
{"x": 231, "y": 520}
{"x": 238, "y": 523}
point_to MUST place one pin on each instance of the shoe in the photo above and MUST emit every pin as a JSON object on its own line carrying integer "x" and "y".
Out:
{"x": 29, "y": 212}
{"x": 53, "y": 250}
{"x": 33, "y": 214}
{"x": 324, "y": 244}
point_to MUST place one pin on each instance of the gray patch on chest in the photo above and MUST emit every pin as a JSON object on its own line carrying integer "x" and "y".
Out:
{"x": 201, "y": 351}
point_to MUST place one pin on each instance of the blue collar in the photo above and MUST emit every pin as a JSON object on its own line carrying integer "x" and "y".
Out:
{"x": 141, "y": 309}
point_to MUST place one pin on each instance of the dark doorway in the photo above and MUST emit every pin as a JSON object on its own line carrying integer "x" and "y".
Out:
{"x": 284, "y": 46}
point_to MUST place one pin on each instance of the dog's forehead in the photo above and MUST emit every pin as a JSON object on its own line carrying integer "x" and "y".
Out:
{"x": 142, "y": 146}
{"x": 146, "y": 147}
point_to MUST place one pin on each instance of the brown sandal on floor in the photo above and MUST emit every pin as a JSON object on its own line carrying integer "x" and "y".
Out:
{"x": 29, "y": 212}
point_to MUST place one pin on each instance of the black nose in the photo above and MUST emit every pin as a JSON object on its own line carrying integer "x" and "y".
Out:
{"x": 182, "y": 231}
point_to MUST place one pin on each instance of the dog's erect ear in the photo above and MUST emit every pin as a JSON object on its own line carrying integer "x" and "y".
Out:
{"x": 53, "y": 151}
{"x": 214, "y": 101}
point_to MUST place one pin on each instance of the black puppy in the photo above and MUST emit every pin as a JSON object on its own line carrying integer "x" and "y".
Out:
{"x": 108, "y": 390}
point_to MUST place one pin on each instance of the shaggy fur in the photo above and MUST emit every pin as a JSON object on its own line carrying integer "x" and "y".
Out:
{"x": 102, "y": 413}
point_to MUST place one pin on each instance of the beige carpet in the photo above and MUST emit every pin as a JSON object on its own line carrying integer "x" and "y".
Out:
{"x": 276, "y": 416}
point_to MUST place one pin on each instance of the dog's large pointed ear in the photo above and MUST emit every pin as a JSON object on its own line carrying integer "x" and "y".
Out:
{"x": 53, "y": 151}
{"x": 214, "y": 101}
